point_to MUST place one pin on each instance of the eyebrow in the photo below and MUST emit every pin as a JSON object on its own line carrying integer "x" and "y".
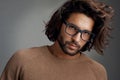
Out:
{"x": 77, "y": 26}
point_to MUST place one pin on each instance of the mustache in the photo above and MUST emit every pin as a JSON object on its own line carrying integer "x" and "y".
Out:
{"x": 74, "y": 43}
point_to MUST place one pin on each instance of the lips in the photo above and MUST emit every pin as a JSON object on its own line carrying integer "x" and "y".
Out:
{"x": 72, "y": 46}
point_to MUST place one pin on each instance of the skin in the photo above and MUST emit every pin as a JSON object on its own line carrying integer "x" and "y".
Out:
{"x": 68, "y": 47}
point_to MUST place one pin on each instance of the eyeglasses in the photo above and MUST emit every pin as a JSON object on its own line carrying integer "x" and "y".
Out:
{"x": 72, "y": 30}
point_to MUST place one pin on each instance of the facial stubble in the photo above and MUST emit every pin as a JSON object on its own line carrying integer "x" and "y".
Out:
{"x": 64, "y": 45}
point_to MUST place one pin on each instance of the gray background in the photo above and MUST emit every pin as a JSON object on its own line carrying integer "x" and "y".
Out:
{"x": 22, "y": 25}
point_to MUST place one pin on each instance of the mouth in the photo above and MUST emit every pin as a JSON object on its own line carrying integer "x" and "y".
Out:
{"x": 73, "y": 46}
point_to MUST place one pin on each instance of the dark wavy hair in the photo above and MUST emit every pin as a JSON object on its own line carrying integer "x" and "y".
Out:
{"x": 98, "y": 11}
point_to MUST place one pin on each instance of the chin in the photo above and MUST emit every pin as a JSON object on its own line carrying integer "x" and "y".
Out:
{"x": 71, "y": 52}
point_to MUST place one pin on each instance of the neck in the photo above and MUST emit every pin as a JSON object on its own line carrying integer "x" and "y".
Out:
{"x": 56, "y": 50}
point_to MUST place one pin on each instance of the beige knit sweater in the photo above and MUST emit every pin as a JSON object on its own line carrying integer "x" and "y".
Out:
{"x": 39, "y": 64}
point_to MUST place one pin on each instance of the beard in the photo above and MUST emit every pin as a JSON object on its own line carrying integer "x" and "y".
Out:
{"x": 69, "y": 47}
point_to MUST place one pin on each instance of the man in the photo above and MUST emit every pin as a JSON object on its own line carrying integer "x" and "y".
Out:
{"x": 77, "y": 26}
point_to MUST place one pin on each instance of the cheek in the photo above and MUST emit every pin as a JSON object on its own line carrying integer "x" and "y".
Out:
{"x": 63, "y": 35}
{"x": 81, "y": 43}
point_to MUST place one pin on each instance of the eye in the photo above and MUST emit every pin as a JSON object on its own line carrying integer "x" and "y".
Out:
{"x": 71, "y": 26}
{"x": 86, "y": 33}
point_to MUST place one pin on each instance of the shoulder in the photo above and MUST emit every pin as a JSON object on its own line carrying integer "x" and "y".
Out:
{"x": 97, "y": 68}
{"x": 29, "y": 52}
{"x": 24, "y": 56}
{"x": 21, "y": 60}
{"x": 94, "y": 63}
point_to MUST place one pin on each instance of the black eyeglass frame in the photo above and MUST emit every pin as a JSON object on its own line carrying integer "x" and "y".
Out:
{"x": 92, "y": 35}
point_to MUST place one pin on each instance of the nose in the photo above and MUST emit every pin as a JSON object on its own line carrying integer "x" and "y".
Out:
{"x": 77, "y": 37}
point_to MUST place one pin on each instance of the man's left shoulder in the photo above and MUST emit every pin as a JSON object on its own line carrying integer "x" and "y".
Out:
{"x": 98, "y": 68}
{"x": 95, "y": 64}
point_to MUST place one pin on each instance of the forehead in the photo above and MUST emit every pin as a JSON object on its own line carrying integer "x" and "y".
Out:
{"x": 82, "y": 21}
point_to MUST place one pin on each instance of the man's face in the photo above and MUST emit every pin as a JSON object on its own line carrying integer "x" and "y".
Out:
{"x": 69, "y": 43}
